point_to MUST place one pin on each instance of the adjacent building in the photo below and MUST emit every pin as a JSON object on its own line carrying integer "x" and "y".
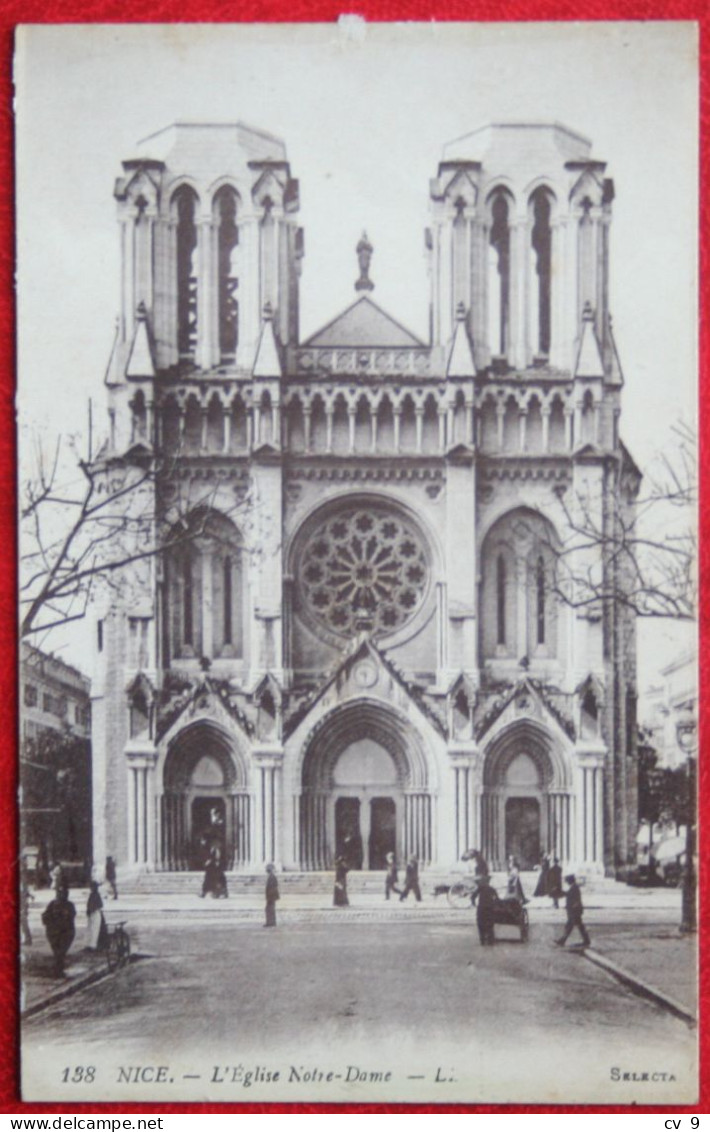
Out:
{"x": 55, "y": 758}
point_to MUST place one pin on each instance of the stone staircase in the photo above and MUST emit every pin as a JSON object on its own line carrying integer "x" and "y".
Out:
{"x": 290, "y": 883}
{"x": 319, "y": 883}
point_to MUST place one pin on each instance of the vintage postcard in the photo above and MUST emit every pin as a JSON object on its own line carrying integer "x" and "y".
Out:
{"x": 357, "y": 378}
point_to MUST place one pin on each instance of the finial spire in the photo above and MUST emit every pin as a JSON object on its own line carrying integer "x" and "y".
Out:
{"x": 364, "y": 251}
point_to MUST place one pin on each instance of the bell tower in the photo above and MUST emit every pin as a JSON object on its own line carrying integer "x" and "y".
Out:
{"x": 520, "y": 222}
{"x": 208, "y": 219}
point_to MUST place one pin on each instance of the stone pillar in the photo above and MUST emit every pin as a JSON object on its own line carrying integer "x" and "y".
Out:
{"x": 206, "y": 286}
{"x": 500, "y": 416}
{"x": 207, "y": 601}
{"x": 569, "y": 411}
{"x": 557, "y": 353}
{"x": 546, "y": 429}
{"x": 268, "y": 807}
{"x": 307, "y": 429}
{"x": 519, "y": 243}
{"x": 522, "y": 429}
{"x": 227, "y": 430}
{"x": 419, "y": 422}
{"x": 250, "y": 307}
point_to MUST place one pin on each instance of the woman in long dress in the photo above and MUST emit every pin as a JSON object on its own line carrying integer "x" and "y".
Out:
{"x": 541, "y": 886}
{"x": 340, "y": 892}
{"x": 272, "y": 895}
{"x": 95, "y": 918}
{"x": 515, "y": 888}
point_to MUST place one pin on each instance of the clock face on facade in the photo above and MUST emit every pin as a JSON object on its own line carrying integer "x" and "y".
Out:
{"x": 363, "y": 561}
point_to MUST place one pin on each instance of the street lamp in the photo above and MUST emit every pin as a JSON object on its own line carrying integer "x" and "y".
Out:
{"x": 687, "y": 735}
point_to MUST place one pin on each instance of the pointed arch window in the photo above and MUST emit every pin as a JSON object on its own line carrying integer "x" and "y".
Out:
{"x": 185, "y": 209}
{"x": 227, "y": 598}
{"x": 499, "y": 276}
{"x": 227, "y": 272}
{"x": 540, "y": 600}
{"x": 500, "y": 599}
{"x": 542, "y": 277}
{"x": 204, "y": 591}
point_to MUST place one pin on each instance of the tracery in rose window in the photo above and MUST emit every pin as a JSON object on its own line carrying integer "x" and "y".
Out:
{"x": 363, "y": 561}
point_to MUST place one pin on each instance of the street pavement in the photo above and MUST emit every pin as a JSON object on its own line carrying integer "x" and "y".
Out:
{"x": 374, "y": 983}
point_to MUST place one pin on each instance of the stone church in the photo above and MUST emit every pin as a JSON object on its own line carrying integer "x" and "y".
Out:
{"x": 355, "y": 638}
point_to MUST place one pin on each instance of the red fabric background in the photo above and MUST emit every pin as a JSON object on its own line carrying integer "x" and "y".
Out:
{"x": 13, "y": 12}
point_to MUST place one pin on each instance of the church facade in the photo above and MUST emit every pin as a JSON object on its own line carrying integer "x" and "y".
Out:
{"x": 355, "y": 638}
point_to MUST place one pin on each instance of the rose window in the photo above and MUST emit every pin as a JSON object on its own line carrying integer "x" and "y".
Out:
{"x": 363, "y": 564}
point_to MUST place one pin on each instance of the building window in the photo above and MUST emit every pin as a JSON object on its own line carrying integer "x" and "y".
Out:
{"x": 227, "y": 595}
{"x": 138, "y": 628}
{"x": 30, "y": 695}
{"x": 100, "y": 636}
{"x": 227, "y": 272}
{"x": 204, "y": 593}
{"x": 48, "y": 703}
{"x": 499, "y": 276}
{"x": 518, "y": 613}
{"x": 540, "y": 600}
{"x": 542, "y": 258}
{"x": 185, "y": 207}
{"x": 363, "y": 562}
{"x": 500, "y": 598}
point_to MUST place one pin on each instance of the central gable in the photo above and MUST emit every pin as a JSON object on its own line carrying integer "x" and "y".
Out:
{"x": 364, "y": 324}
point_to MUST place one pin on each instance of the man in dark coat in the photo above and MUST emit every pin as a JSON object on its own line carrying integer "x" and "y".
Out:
{"x": 392, "y": 877}
{"x": 411, "y": 880}
{"x": 554, "y": 882}
{"x": 110, "y": 874}
{"x": 58, "y": 919}
{"x": 573, "y": 902}
{"x": 485, "y": 898}
{"x": 340, "y": 889}
{"x": 272, "y": 895}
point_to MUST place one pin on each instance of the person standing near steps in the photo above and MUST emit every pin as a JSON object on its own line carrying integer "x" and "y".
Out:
{"x": 272, "y": 895}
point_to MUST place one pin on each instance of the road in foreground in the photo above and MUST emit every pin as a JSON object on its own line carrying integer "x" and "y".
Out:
{"x": 419, "y": 1008}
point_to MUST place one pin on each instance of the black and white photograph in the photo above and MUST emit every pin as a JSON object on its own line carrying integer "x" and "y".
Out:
{"x": 357, "y": 379}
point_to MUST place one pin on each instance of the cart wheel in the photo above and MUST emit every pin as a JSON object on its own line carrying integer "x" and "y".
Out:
{"x": 459, "y": 895}
{"x": 524, "y": 926}
{"x": 113, "y": 956}
{"x": 124, "y": 947}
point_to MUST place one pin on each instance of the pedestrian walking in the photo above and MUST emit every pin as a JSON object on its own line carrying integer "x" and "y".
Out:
{"x": 110, "y": 875}
{"x": 554, "y": 882}
{"x": 392, "y": 877}
{"x": 96, "y": 930}
{"x": 272, "y": 895}
{"x": 26, "y": 898}
{"x": 485, "y": 898}
{"x": 340, "y": 891}
{"x": 58, "y": 919}
{"x": 411, "y": 880}
{"x": 575, "y": 908}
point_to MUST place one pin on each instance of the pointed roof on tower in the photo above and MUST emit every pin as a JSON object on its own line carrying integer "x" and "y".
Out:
{"x": 140, "y": 362}
{"x": 267, "y": 362}
{"x": 589, "y": 358}
{"x": 461, "y": 363}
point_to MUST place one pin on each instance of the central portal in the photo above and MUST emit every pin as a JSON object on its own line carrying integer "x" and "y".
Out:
{"x": 367, "y": 804}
